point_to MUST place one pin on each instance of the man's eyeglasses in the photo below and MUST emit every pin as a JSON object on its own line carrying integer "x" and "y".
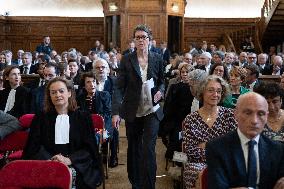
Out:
{"x": 252, "y": 57}
{"x": 143, "y": 37}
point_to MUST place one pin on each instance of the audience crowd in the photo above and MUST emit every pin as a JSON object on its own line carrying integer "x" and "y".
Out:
{"x": 202, "y": 90}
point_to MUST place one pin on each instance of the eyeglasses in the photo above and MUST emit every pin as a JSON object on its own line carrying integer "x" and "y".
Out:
{"x": 143, "y": 37}
{"x": 212, "y": 90}
{"x": 100, "y": 67}
{"x": 252, "y": 57}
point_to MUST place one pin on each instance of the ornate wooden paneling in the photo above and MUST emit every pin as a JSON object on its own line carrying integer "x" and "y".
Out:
{"x": 27, "y": 32}
{"x": 2, "y": 33}
{"x": 133, "y": 21}
{"x": 211, "y": 29}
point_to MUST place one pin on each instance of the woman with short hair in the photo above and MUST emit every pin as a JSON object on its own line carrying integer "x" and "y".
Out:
{"x": 209, "y": 122}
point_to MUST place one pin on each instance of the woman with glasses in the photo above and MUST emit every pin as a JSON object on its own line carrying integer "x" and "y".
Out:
{"x": 138, "y": 90}
{"x": 273, "y": 94}
{"x": 209, "y": 122}
{"x": 220, "y": 70}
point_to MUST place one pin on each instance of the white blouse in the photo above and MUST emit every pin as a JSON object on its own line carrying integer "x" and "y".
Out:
{"x": 62, "y": 127}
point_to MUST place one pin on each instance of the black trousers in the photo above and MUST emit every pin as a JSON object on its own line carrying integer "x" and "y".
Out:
{"x": 141, "y": 156}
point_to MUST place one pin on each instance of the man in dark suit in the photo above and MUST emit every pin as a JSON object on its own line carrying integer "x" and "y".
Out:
{"x": 19, "y": 59}
{"x": 27, "y": 67}
{"x": 245, "y": 158}
{"x": 165, "y": 53}
{"x": 37, "y": 102}
{"x": 140, "y": 110}
{"x": 45, "y": 46}
{"x": 153, "y": 47}
{"x": 264, "y": 67}
{"x": 251, "y": 80}
{"x": 277, "y": 68}
{"x": 131, "y": 48}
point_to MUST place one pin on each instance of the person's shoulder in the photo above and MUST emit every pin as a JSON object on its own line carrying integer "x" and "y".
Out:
{"x": 272, "y": 143}
{"x": 224, "y": 139}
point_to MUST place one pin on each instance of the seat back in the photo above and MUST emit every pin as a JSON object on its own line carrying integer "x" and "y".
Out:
{"x": 14, "y": 141}
{"x": 204, "y": 179}
{"x": 26, "y": 120}
{"x": 98, "y": 122}
{"x": 35, "y": 174}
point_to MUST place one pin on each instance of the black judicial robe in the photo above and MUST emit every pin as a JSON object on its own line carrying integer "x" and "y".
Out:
{"x": 22, "y": 101}
{"x": 82, "y": 148}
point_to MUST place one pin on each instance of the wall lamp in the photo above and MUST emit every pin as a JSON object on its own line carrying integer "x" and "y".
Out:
{"x": 175, "y": 7}
{"x": 112, "y": 7}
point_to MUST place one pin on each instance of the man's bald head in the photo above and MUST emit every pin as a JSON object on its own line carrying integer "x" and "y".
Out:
{"x": 251, "y": 113}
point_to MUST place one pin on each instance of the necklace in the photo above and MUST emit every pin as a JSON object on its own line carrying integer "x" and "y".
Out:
{"x": 211, "y": 116}
{"x": 277, "y": 119}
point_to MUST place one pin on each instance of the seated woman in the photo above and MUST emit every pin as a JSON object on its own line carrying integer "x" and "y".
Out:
{"x": 177, "y": 105}
{"x": 14, "y": 99}
{"x": 220, "y": 70}
{"x": 209, "y": 122}
{"x": 237, "y": 77}
{"x": 96, "y": 102}
{"x": 65, "y": 134}
{"x": 273, "y": 94}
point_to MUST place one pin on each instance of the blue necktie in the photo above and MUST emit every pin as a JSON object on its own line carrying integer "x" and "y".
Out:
{"x": 251, "y": 164}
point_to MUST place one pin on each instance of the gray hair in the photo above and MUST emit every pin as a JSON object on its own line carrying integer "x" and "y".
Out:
{"x": 225, "y": 87}
{"x": 197, "y": 75}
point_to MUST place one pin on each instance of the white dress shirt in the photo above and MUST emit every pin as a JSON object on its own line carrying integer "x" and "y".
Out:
{"x": 244, "y": 143}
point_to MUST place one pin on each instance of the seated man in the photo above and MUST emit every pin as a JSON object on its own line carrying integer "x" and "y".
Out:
{"x": 245, "y": 158}
{"x": 8, "y": 124}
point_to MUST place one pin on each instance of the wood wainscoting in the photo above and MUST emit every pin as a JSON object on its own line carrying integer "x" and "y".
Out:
{"x": 212, "y": 30}
{"x": 65, "y": 32}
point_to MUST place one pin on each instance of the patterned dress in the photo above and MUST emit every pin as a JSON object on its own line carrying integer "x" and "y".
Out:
{"x": 195, "y": 132}
{"x": 274, "y": 135}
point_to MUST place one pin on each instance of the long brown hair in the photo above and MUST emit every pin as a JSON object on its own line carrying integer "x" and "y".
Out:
{"x": 49, "y": 106}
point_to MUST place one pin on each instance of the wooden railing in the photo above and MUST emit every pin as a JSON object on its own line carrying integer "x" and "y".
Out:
{"x": 267, "y": 12}
{"x": 233, "y": 39}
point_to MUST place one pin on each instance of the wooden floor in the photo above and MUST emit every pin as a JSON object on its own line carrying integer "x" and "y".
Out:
{"x": 118, "y": 175}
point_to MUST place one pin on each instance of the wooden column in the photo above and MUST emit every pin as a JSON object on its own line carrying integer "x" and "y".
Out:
{"x": 151, "y": 12}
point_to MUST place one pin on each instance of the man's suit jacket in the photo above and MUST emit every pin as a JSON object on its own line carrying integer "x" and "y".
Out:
{"x": 37, "y": 101}
{"x": 226, "y": 163}
{"x": 156, "y": 50}
{"x": 128, "y": 86}
{"x": 33, "y": 69}
{"x": 166, "y": 56}
{"x": 267, "y": 70}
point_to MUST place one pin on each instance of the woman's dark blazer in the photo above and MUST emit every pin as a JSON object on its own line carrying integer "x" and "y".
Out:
{"x": 128, "y": 86}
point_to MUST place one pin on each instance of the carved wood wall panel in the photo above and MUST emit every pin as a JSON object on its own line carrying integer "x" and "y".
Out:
{"x": 211, "y": 29}
{"x": 27, "y": 32}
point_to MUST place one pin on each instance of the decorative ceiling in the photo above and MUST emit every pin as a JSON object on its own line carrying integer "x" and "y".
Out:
{"x": 93, "y": 8}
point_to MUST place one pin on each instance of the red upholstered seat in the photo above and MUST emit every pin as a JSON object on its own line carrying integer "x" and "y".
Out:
{"x": 13, "y": 144}
{"x": 204, "y": 179}
{"x": 26, "y": 120}
{"x": 15, "y": 155}
{"x": 35, "y": 174}
{"x": 99, "y": 125}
